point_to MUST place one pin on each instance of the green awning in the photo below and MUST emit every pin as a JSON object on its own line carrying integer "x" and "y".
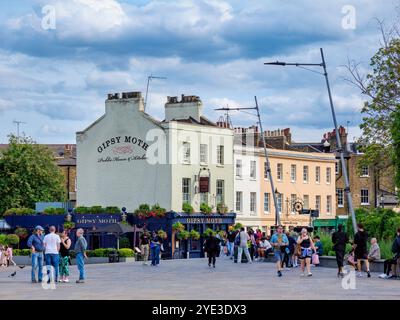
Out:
{"x": 329, "y": 222}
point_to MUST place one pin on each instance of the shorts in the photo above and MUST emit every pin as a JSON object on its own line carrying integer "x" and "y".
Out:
{"x": 305, "y": 253}
{"x": 278, "y": 255}
{"x": 362, "y": 255}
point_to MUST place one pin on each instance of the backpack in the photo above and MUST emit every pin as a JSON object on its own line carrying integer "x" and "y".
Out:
{"x": 237, "y": 240}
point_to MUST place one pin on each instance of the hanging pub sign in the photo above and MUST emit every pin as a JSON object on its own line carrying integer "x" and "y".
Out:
{"x": 204, "y": 183}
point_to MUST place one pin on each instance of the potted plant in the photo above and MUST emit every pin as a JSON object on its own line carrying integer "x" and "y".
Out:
{"x": 205, "y": 208}
{"x": 222, "y": 208}
{"x": 143, "y": 211}
{"x": 22, "y": 233}
{"x": 183, "y": 235}
{"x": 68, "y": 225}
{"x": 194, "y": 234}
{"x": 162, "y": 234}
{"x": 159, "y": 212}
{"x": 209, "y": 232}
{"x": 187, "y": 208}
{"x": 177, "y": 227}
{"x": 12, "y": 239}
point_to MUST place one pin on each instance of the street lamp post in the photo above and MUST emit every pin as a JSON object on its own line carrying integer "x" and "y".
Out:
{"x": 339, "y": 143}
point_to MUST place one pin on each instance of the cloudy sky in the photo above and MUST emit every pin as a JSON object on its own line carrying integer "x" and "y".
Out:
{"x": 56, "y": 79}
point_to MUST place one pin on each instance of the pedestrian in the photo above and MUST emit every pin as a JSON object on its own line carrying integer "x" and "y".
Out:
{"x": 80, "y": 250}
{"x": 252, "y": 245}
{"x": 339, "y": 240}
{"x": 390, "y": 265}
{"x": 360, "y": 249}
{"x": 288, "y": 252}
{"x": 51, "y": 253}
{"x": 243, "y": 246}
{"x": 211, "y": 246}
{"x": 319, "y": 251}
{"x": 9, "y": 255}
{"x": 279, "y": 241}
{"x": 230, "y": 243}
{"x": 64, "y": 256}
{"x": 144, "y": 246}
{"x": 307, "y": 248}
{"x": 292, "y": 240}
{"x": 374, "y": 251}
{"x": 155, "y": 245}
{"x": 35, "y": 243}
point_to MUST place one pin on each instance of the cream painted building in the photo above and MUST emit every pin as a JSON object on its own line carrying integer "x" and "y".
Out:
{"x": 127, "y": 157}
{"x": 303, "y": 177}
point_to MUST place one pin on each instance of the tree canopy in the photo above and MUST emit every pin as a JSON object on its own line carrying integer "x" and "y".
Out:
{"x": 28, "y": 174}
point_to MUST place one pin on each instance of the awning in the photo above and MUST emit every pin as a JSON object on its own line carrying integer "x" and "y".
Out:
{"x": 4, "y": 225}
{"x": 329, "y": 222}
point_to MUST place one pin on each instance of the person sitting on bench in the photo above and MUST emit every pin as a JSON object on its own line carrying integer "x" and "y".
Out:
{"x": 374, "y": 251}
{"x": 392, "y": 263}
{"x": 264, "y": 248}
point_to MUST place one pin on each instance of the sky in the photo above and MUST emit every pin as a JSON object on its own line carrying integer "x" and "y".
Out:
{"x": 60, "y": 58}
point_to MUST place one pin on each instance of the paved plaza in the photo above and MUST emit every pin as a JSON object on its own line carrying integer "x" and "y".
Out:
{"x": 193, "y": 279}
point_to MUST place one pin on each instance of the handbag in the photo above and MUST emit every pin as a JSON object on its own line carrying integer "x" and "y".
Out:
{"x": 297, "y": 250}
{"x": 315, "y": 259}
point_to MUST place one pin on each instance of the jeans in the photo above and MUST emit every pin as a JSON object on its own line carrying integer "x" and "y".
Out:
{"x": 230, "y": 246}
{"x": 37, "y": 263}
{"x": 246, "y": 252}
{"x": 80, "y": 262}
{"x": 52, "y": 260}
{"x": 155, "y": 255}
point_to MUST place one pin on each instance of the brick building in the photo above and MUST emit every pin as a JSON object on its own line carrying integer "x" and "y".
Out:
{"x": 371, "y": 186}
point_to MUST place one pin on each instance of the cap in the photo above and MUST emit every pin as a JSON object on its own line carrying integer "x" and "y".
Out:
{"x": 39, "y": 228}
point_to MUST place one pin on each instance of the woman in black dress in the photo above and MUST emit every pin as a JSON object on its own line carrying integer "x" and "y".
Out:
{"x": 339, "y": 240}
{"x": 211, "y": 246}
{"x": 361, "y": 250}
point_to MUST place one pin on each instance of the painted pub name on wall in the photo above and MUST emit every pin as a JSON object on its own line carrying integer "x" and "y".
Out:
{"x": 122, "y": 149}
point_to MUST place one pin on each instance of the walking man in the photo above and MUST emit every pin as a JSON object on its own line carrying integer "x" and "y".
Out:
{"x": 51, "y": 253}
{"x": 144, "y": 246}
{"x": 230, "y": 242}
{"x": 35, "y": 243}
{"x": 279, "y": 241}
{"x": 360, "y": 249}
{"x": 243, "y": 246}
{"x": 80, "y": 250}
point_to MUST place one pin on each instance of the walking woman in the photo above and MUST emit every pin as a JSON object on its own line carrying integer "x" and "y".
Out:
{"x": 64, "y": 256}
{"x": 307, "y": 248}
{"x": 339, "y": 240}
{"x": 155, "y": 245}
{"x": 211, "y": 246}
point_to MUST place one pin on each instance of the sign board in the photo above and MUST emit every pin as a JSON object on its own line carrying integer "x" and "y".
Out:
{"x": 93, "y": 220}
{"x": 204, "y": 183}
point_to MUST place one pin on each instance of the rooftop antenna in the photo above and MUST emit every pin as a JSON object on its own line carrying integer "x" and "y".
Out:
{"x": 18, "y": 123}
{"x": 150, "y": 77}
{"x": 267, "y": 163}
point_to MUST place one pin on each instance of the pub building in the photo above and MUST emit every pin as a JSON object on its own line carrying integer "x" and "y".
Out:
{"x": 127, "y": 158}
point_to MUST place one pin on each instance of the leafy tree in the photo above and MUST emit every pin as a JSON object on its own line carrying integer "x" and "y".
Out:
{"x": 380, "y": 124}
{"x": 28, "y": 174}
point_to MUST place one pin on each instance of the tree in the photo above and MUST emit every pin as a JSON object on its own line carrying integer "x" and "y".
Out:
{"x": 382, "y": 88}
{"x": 28, "y": 174}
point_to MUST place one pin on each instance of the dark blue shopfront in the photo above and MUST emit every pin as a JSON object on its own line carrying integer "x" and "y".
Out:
{"x": 197, "y": 221}
{"x": 91, "y": 222}
{"x": 88, "y": 222}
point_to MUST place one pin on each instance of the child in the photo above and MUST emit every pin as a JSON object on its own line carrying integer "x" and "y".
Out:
{"x": 9, "y": 256}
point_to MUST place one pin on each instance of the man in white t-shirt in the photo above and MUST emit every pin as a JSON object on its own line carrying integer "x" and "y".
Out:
{"x": 51, "y": 252}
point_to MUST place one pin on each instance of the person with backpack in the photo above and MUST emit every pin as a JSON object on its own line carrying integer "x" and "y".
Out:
{"x": 279, "y": 242}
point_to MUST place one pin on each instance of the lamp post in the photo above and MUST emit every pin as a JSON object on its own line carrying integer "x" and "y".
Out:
{"x": 339, "y": 143}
